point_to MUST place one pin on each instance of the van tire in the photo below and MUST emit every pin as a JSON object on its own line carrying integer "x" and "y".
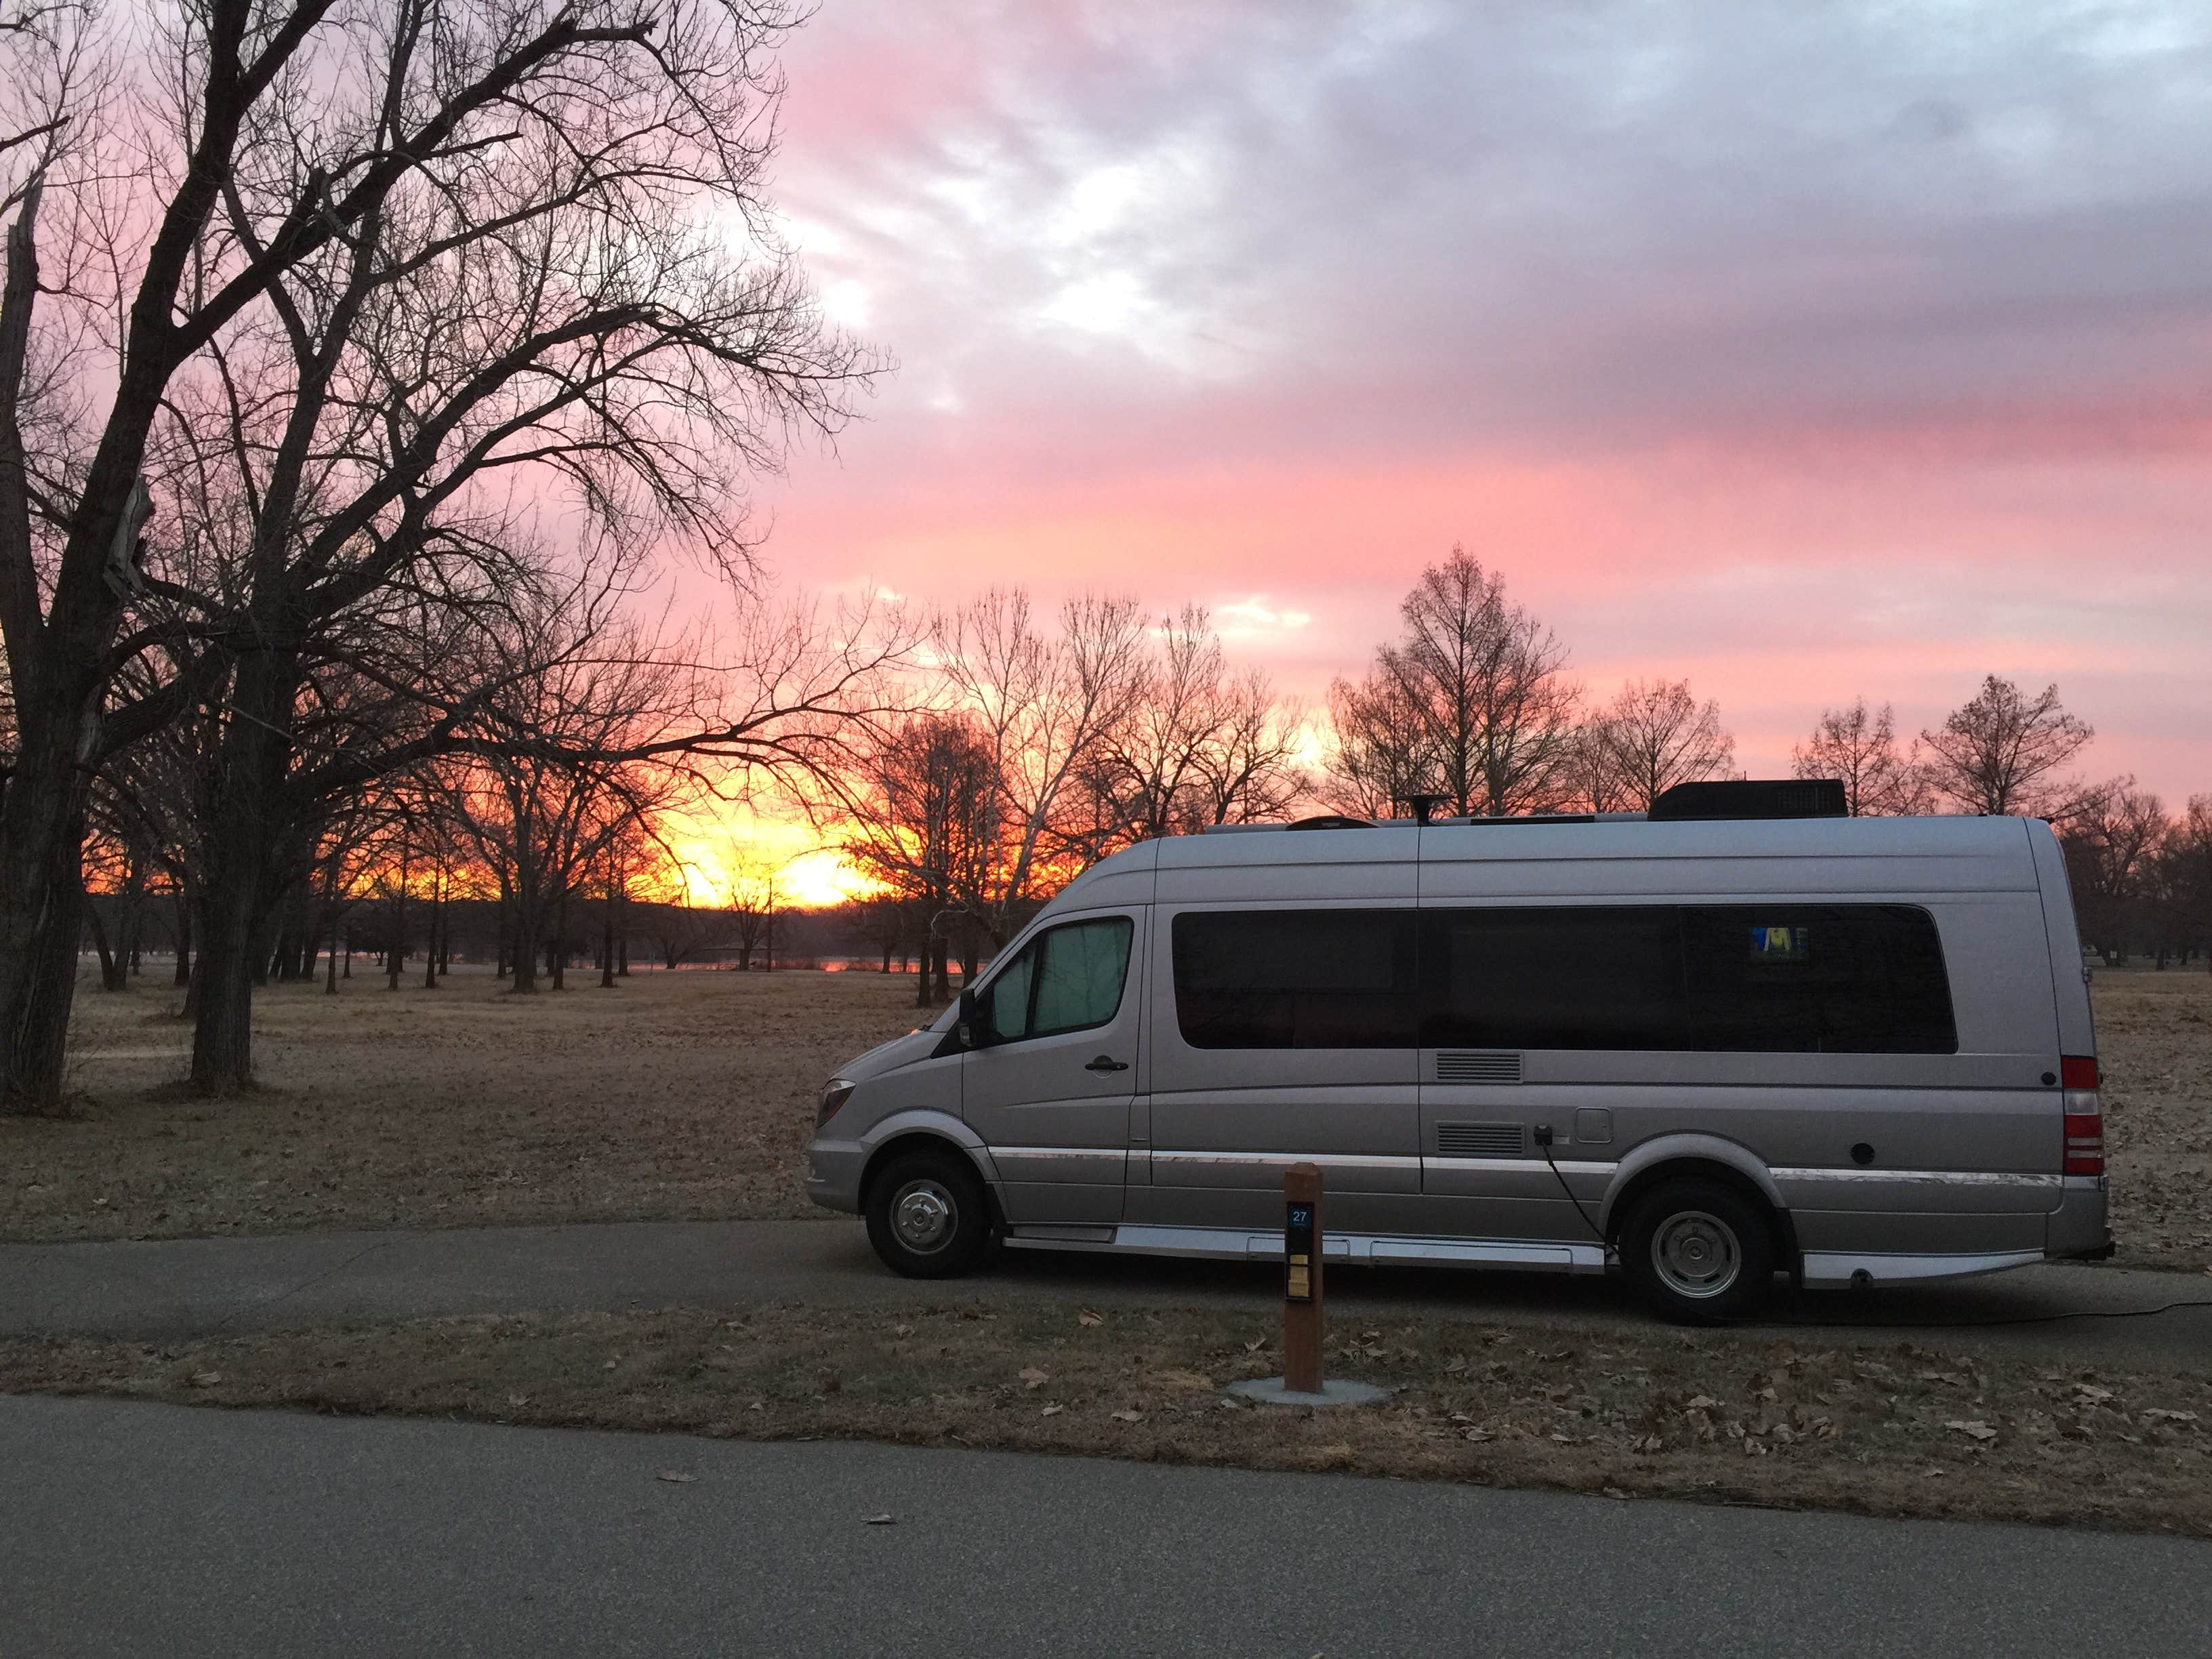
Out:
{"x": 1698, "y": 1251}
{"x": 928, "y": 1215}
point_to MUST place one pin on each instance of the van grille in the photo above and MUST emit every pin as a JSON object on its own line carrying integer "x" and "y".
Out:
{"x": 1478, "y": 1140}
{"x": 1465, "y": 1067}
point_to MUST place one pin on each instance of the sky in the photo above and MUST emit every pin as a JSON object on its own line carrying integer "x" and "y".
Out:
{"x": 1804, "y": 352}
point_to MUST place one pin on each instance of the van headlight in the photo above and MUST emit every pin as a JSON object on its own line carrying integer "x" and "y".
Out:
{"x": 835, "y": 1093}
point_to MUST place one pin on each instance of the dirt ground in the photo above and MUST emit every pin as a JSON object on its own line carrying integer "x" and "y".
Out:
{"x": 684, "y": 1095}
{"x": 1892, "y": 1429}
{"x": 691, "y": 1095}
{"x": 2154, "y": 1041}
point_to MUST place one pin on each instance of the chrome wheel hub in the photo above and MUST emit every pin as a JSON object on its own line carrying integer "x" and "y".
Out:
{"x": 923, "y": 1215}
{"x": 1696, "y": 1254}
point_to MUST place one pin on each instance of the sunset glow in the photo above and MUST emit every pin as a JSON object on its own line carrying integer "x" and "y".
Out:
{"x": 1805, "y": 354}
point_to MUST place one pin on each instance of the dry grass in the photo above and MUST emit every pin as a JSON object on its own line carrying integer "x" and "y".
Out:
{"x": 691, "y": 1095}
{"x": 1897, "y": 1430}
{"x": 678, "y": 1095}
{"x": 2154, "y": 1039}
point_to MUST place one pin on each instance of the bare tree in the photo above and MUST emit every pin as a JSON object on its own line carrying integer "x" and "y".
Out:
{"x": 923, "y": 821}
{"x": 399, "y": 257}
{"x": 1658, "y": 735}
{"x": 754, "y": 900}
{"x": 1043, "y": 710}
{"x": 2002, "y": 752}
{"x": 1198, "y": 746}
{"x": 1483, "y": 684}
{"x": 1592, "y": 774}
{"x": 2114, "y": 846}
{"x": 1380, "y": 751}
{"x": 1859, "y": 746}
{"x": 2184, "y": 923}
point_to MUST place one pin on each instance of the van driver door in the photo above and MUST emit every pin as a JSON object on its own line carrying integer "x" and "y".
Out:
{"x": 1059, "y": 1065}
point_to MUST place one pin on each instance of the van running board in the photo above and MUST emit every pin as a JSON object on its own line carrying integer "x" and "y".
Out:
{"x": 1240, "y": 1244}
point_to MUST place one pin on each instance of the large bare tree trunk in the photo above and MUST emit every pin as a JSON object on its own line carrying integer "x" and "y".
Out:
{"x": 184, "y": 925}
{"x": 437, "y": 921}
{"x": 523, "y": 947}
{"x": 236, "y": 913}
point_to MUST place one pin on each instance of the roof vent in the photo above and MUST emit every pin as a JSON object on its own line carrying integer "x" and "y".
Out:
{"x": 1331, "y": 821}
{"x": 1753, "y": 797}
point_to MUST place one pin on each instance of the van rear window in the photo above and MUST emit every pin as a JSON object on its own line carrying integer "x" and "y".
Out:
{"x": 1786, "y": 978}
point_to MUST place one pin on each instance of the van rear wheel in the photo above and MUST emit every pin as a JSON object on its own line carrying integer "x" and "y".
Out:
{"x": 1698, "y": 1251}
{"x": 927, "y": 1216}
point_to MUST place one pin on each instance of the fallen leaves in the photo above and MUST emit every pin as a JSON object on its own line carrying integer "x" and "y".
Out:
{"x": 1127, "y": 1416}
{"x": 675, "y": 1477}
{"x": 1974, "y": 1430}
{"x": 1085, "y": 1317}
{"x": 1033, "y": 1378}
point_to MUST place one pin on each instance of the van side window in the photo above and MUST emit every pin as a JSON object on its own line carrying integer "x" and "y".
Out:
{"x": 1850, "y": 979}
{"x": 1067, "y": 979}
{"x": 1295, "y": 978}
{"x": 1601, "y": 977}
{"x": 1778, "y": 979}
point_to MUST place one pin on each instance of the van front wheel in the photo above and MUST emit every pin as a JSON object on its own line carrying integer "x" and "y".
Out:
{"x": 927, "y": 1217}
{"x": 1698, "y": 1251}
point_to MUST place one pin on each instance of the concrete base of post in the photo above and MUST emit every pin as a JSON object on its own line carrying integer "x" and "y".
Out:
{"x": 1270, "y": 1391}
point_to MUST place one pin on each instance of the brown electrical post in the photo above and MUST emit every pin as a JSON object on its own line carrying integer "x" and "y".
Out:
{"x": 1302, "y": 1253}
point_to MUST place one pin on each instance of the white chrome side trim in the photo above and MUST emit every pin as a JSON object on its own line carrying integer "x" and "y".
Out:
{"x": 1835, "y": 1270}
{"x": 1520, "y": 1165}
{"x": 1284, "y": 1160}
{"x": 1240, "y": 1244}
{"x": 2031, "y": 1183}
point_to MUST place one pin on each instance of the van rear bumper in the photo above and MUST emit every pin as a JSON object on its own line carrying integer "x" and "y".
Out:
{"x": 2079, "y": 1228}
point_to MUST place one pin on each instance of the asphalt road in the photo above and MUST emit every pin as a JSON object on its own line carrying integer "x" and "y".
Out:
{"x": 168, "y": 1289}
{"x": 130, "y": 1528}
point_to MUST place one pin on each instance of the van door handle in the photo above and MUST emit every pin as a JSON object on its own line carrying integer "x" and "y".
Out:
{"x": 1107, "y": 1063}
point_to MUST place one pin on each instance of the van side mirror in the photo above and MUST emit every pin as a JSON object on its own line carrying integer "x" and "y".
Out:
{"x": 967, "y": 1028}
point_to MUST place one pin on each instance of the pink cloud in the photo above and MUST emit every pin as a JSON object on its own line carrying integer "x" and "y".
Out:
{"x": 1846, "y": 361}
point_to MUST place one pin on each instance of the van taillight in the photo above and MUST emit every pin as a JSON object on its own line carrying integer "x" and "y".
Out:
{"x": 2085, "y": 1143}
{"x": 2077, "y": 1072}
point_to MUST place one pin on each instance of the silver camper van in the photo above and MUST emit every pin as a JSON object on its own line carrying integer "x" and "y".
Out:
{"x": 1722, "y": 1041}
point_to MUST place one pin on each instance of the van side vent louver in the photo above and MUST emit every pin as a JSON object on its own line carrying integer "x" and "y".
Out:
{"x": 1469, "y": 1067}
{"x": 1478, "y": 1140}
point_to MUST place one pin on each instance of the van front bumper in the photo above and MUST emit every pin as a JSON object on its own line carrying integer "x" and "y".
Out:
{"x": 833, "y": 1169}
{"x": 2079, "y": 1228}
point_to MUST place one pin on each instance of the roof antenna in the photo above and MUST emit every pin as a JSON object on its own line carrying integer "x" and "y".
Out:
{"x": 1424, "y": 806}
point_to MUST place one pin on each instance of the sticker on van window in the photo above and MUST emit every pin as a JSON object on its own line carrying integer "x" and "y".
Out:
{"x": 1781, "y": 944}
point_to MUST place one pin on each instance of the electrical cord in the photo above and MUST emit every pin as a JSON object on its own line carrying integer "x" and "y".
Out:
{"x": 1544, "y": 1145}
{"x": 1878, "y": 1324}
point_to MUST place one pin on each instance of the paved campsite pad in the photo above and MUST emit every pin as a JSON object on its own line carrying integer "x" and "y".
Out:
{"x": 1888, "y": 1429}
